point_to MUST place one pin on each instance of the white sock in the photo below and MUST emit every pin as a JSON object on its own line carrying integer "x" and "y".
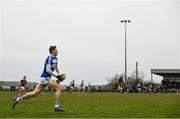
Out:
{"x": 56, "y": 106}
{"x": 19, "y": 98}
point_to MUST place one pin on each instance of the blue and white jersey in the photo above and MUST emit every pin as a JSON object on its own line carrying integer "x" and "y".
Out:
{"x": 52, "y": 61}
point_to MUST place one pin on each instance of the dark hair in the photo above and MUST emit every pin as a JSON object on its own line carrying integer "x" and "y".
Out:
{"x": 51, "y": 48}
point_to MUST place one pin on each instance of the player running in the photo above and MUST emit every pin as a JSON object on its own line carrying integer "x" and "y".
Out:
{"x": 81, "y": 86}
{"x": 89, "y": 87}
{"x": 72, "y": 86}
{"x": 23, "y": 82}
{"x": 51, "y": 64}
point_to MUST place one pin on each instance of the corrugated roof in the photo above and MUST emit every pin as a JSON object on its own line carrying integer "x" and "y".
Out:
{"x": 165, "y": 71}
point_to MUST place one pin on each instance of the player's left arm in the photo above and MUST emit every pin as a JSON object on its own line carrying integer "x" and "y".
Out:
{"x": 60, "y": 77}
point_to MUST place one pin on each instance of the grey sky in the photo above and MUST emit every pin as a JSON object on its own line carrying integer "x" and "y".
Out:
{"x": 89, "y": 36}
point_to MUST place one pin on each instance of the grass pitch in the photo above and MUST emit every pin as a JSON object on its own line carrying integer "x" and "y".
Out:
{"x": 93, "y": 105}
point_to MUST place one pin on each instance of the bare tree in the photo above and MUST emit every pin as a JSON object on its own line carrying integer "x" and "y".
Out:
{"x": 116, "y": 80}
{"x": 136, "y": 80}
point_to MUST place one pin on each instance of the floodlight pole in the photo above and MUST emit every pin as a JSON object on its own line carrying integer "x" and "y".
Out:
{"x": 125, "y": 21}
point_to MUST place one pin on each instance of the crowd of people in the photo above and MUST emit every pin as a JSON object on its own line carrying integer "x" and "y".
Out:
{"x": 146, "y": 89}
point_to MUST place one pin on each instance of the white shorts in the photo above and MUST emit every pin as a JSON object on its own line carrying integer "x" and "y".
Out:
{"x": 45, "y": 80}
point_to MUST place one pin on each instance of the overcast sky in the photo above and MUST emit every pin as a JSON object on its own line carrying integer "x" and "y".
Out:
{"x": 89, "y": 36}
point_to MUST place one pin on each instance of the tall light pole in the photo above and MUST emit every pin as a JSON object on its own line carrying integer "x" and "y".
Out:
{"x": 137, "y": 71}
{"x": 125, "y": 21}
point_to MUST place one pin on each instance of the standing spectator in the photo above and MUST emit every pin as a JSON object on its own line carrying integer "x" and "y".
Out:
{"x": 139, "y": 88}
{"x": 120, "y": 89}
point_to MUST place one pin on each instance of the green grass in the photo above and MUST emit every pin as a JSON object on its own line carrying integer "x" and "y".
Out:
{"x": 93, "y": 105}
